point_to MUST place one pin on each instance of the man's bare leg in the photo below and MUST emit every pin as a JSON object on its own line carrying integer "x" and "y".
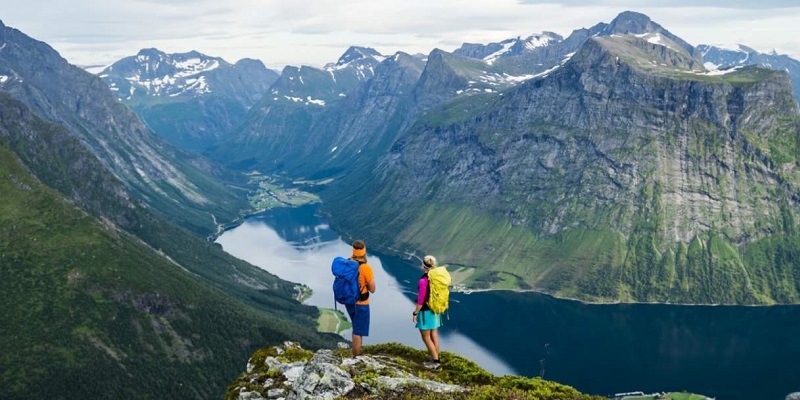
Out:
{"x": 356, "y": 345}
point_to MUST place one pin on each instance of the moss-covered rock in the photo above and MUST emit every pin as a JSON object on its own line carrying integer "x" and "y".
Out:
{"x": 389, "y": 370}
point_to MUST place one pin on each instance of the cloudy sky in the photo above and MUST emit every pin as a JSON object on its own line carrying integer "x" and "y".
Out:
{"x": 315, "y": 32}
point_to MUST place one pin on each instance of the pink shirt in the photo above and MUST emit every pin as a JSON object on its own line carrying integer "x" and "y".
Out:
{"x": 422, "y": 287}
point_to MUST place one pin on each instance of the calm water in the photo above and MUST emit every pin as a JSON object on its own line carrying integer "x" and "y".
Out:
{"x": 726, "y": 352}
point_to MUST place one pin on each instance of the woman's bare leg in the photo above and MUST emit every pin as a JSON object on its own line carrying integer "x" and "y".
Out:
{"x": 426, "y": 338}
{"x": 435, "y": 340}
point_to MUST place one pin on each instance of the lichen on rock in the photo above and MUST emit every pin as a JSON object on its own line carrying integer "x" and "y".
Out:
{"x": 384, "y": 371}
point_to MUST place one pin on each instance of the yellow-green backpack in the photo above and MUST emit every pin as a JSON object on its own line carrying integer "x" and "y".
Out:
{"x": 438, "y": 286}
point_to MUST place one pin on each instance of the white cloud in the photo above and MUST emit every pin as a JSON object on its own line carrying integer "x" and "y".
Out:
{"x": 314, "y": 32}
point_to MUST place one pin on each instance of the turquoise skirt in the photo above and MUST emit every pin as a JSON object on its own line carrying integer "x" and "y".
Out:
{"x": 426, "y": 320}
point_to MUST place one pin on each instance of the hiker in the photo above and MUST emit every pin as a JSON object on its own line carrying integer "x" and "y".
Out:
{"x": 426, "y": 321}
{"x": 359, "y": 312}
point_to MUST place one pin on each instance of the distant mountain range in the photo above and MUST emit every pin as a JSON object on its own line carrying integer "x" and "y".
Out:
{"x": 190, "y": 99}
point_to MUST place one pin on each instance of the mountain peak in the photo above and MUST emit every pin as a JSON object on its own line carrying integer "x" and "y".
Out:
{"x": 150, "y": 51}
{"x": 653, "y": 52}
{"x": 355, "y": 53}
{"x": 634, "y": 23}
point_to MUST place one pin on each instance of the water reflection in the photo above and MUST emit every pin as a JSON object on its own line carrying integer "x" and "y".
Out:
{"x": 294, "y": 245}
{"x": 727, "y": 352}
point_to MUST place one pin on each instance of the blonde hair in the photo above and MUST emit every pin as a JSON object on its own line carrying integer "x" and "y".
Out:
{"x": 429, "y": 261}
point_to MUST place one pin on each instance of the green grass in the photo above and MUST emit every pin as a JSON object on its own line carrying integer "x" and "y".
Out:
{"x": 332, "y": 321}
{"x": 684, "y": 396}
{"x": 85, "y": 302}
{"x": 273, "y": 193}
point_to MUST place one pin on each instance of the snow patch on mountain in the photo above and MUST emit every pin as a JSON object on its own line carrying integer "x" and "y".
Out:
{"x": 717, "y": 72}
{"x": 654, "y": 38}
{"x": 530, "y": 43}
{"x": 730, "y": 47}
{"x": 507, "y": 45}
{"x": 537, "y": 41}
{"x": 499, "y": 81}
{"x": 194, "y": 66}
{"x": 307, "y": 101}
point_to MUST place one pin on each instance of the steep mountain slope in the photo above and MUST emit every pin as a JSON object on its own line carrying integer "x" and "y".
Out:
{"x": 183, "y": 188}
{"x": 90, "y": 311}
{"x": 189, "y": 99}
{"x": 628, "y": 173}
{"x": 716, "y": 57}
{"x": 98, "y": 286}
{"x": 312, "y": 114}
{"x": 59, "y": 160}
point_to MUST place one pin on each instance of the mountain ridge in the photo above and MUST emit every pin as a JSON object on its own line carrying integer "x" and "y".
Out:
{"x": 473, "y": 157}
{"x": 190, "y": 99}
{"x": 183, "y": 187}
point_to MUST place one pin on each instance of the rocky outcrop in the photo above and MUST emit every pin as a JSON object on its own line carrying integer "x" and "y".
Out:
{"x": 385, "y": 371}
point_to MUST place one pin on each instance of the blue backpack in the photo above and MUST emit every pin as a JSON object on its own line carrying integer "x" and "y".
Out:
{"x": 345, "y": 284}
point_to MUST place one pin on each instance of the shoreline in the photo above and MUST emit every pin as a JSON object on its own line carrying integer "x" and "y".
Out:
{"x": 611, "y": 303}
{"x": 408, "y": 255}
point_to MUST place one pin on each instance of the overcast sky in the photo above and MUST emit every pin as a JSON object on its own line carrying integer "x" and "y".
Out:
{"x": 315, "y": 32}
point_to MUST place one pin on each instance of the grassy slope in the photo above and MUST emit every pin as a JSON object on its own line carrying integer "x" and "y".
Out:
{"x": 91, "y": 312}
{"x": 60, "y": 161}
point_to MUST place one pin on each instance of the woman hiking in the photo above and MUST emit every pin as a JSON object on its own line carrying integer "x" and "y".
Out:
{"x": 426, "y": 321}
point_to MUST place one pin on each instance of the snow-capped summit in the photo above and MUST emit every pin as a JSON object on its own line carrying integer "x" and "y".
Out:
{"x": 164, "y": 88}
{"x": 152, "y": 72}
{"x": 358, "y": 55}
{"x": 507, "y": 48}
{"x": 513, "y": 47}
{"x": 633, "y": 23}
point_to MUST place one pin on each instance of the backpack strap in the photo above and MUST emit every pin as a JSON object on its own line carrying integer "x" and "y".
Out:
{"x": 365, "y": 295}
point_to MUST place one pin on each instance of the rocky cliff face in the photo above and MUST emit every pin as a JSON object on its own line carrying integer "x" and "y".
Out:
{"x": 625, "y": 151}
{"x": 276, "y": 130}
{"x": 350, "y": 121}
{"x": 386, "y": 371}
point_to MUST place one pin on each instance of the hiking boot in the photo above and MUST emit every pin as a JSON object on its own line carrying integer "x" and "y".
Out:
{"x": 431, "y": 365}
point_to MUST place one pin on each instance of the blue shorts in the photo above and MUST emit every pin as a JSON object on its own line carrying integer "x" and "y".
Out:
{"x": 427, "y": 320}
{"x": 359, "y": 316}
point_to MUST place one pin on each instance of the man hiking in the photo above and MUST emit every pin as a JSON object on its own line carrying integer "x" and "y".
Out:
{"x": 359, "y": 312}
